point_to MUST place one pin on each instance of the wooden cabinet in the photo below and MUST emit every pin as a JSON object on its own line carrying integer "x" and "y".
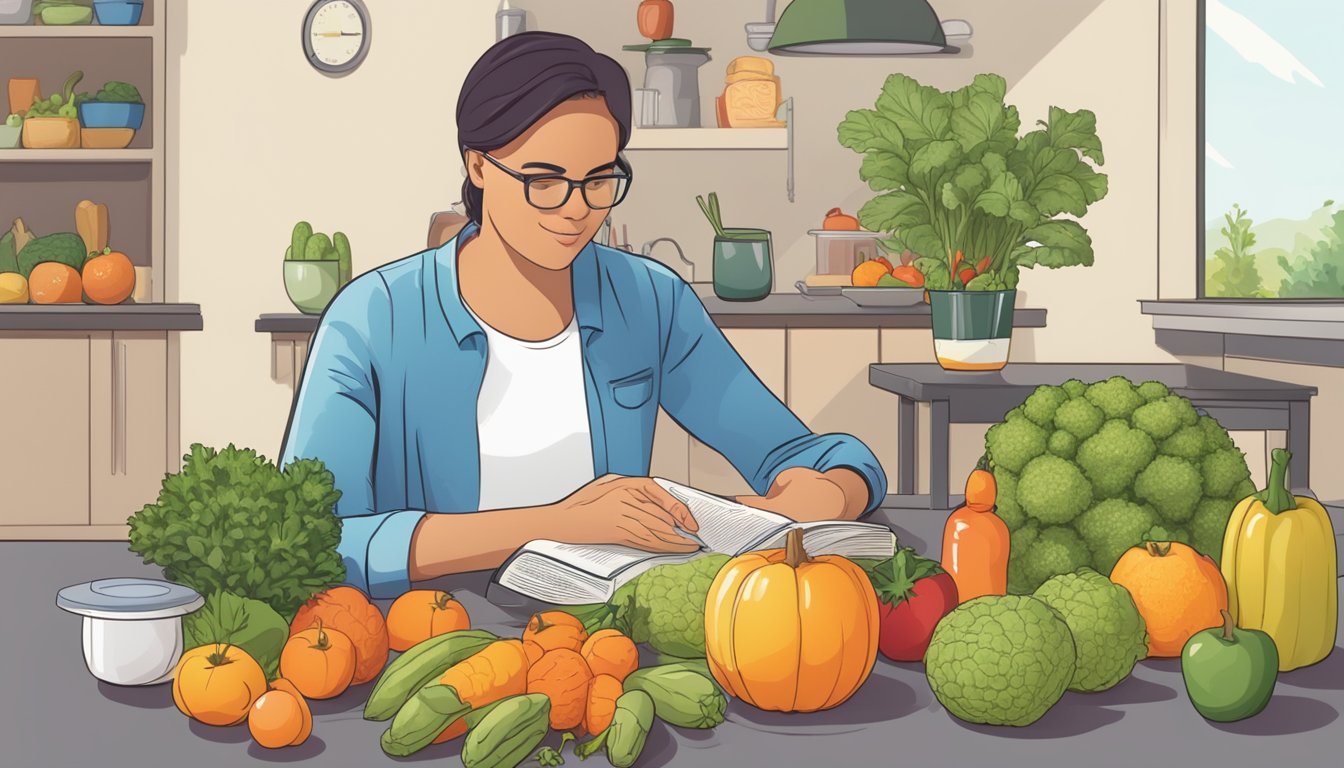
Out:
{"x": 91, "y": 434}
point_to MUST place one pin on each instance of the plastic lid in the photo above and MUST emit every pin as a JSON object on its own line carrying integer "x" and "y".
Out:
{"x": 129, "y": 596}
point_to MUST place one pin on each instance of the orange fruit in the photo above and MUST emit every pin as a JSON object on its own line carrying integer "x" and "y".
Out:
{"x": 608, "y": 652}
{"x": 276, "y": 719}
{"x": 555, "y": 629}
{"x": 320, "y": 662}
{"x": 52, "y": 282}
{"x": 108, "y": 278}
{"x": 1178, "y": 592}
{"x": 347, "y": 609}
{"x": 281, "y": 684}
{"x": 868, "y": 273}
{"x": 421, "y": 614}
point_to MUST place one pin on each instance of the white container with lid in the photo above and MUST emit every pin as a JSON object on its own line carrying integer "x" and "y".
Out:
{"x": 839, "y": 251}
{"x": 132, "y": 626}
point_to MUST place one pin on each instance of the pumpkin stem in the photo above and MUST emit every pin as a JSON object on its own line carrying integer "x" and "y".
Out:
{"x": 1228, "y": 625}
{"x": 323, "y": 642}
{"x": 1276, "y": 496}
{"x": 220, "y": 658}
{"x": 542, "y": 624}
{"x": 441, "y": 600}
{"x": 1159, "y": 548}
{"x": 794, "y": 554}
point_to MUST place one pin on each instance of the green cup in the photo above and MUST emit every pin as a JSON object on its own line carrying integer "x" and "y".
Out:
{"x": 743, "y": 265}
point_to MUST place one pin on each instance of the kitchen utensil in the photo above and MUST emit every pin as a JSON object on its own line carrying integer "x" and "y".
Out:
{"x": 760, "y": 32}
{"x": 16, "y": 11}
{"x": 743, "y": 264}
{"x": 671, "y": 67}
{"x": 51, "y": 133}
{"x": 118, "y": 13}
{"x": 884, "y": 297}
{"x": 647, "y": 102}
{"x": 509, "y": 20}
{"x": 839, "y": 251}
{"x": 105, "y": 138}
{"x": 132, "y": 633}
{"x": 23, "y": 91}
{"x": 647, "y": 250}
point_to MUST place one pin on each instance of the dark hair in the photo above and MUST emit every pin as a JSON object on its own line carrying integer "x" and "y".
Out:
{"x": 520, "y": 79}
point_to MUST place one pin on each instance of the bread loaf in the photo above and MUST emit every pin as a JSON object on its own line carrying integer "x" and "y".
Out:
{"x": 751, "y": 100}
{"x": 751, "y": 64}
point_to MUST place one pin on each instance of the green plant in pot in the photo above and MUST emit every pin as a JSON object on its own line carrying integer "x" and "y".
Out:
{"x": 316, "y": 267}
{"x": 976, "y": 201}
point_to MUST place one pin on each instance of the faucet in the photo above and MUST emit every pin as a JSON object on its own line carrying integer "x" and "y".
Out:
{"x": 647, "y": 249}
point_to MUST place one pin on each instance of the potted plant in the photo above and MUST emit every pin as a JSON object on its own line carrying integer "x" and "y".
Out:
{"x": 975, "y": 201}
{"x": 110, "y": 118}
{"x": 316, "y": 267}
{"x": 53, "y": 122}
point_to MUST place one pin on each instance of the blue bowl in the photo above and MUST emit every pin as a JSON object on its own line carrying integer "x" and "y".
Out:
{"x": 107, "y": 114}
{"x": 118, "y": 13}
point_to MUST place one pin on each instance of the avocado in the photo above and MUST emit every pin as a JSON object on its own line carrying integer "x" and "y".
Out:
{"x": 65, "y": 247}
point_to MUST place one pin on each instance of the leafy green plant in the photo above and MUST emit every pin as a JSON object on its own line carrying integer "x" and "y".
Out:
{"x": 1319, "y": 274}
{"x": 1234, "y": 273}
{"x": 231, "y": 520}
{"x": 116, "y": 91}
{"x": 64, "y": 103}
{"x": 961, "y": 188}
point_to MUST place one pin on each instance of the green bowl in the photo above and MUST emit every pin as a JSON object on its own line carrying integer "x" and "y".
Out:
{"x": 312, "y": 284}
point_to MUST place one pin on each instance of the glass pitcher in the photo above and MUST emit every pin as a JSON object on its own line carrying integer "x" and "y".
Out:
{"x": 743, "y": 265}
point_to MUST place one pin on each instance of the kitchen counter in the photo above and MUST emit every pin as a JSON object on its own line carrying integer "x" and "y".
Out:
{"x": 58, "y": 715}
{"x": 778, "y": 310}
{"x": 89, "y": 317}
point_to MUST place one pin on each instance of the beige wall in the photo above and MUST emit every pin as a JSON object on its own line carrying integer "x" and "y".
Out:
{"x": 259, "y": 140}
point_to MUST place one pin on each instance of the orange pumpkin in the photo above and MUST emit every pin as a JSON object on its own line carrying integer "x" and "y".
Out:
{"x": 563, "y": 676}
{"x": 320, "y": 662}
{"x": 217, "y": 684}
{"x": 555, "y": 629}
{"x": 421, "y": 614}
{"x": 347, "y": 609}
{"x": 608, "y": 652}
{"x": 791, "y": 633}
{"x": 1178, "y": 592}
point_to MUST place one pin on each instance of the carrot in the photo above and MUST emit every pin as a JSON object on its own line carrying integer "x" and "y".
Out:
{"x": 967, "y": 275}
{"x": 955, "y": 261}
{"x": 457, "y": 728}
{"x": 982, "y": 265}
{"x": 496, "y": 671}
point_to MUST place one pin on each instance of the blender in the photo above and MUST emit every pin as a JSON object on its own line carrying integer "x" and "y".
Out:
{"x": 671, "y": 69}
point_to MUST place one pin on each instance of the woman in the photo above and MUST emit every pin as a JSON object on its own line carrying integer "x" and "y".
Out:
{"x": 512, "y": 377}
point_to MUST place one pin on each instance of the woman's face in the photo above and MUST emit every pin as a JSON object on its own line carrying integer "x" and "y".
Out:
{"x": 578, "y": 139}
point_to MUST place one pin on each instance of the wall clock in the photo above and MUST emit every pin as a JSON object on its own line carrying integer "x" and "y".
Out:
{"x": 336, "y": 35}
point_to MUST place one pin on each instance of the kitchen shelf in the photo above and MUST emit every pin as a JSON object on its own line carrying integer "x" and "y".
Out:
{"x": 86, "y": 30}
{"x": 76, "y": 155}
{"x": 709, "y": 138}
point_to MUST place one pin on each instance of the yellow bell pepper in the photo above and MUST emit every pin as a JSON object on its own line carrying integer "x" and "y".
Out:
{"x": 1279, "y": 564}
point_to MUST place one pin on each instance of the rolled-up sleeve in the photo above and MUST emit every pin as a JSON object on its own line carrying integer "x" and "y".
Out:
{"x": 710, "y": 391}
{"x": 335, "y": 419}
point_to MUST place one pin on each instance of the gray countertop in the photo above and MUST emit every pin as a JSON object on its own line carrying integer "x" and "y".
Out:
{"x": 778, "y": 310}
{"x": 56, "y": 714}
{"x": 90, "y": 317}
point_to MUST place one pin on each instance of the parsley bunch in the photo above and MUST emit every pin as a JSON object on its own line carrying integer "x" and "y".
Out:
{"x": 232, "y": 520}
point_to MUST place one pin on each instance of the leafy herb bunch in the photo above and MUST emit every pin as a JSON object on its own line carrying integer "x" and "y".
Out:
{"x": 962, "y": 190}
{"x": 232, "y": 520}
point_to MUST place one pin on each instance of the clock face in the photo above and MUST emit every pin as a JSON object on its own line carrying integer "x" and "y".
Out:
{"x": 336, "y": 34}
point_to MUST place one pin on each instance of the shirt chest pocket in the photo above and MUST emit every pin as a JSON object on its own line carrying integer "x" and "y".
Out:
{"x": 634, "y": 390}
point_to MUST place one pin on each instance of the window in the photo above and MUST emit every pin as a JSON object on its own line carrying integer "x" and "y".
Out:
{"x": 1271, "y": 191}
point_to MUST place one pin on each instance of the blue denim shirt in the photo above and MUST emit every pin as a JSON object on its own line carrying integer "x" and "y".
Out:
{"x": 388, "y": 396}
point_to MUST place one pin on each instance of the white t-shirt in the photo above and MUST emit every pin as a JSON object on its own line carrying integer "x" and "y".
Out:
{"x": 532, "y": 418}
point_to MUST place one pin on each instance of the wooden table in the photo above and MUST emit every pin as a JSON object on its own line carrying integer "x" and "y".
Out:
{"x": 1237, "y": 401}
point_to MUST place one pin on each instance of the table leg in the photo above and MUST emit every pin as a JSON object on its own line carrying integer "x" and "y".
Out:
{"x": 939, "y": 428}
{"x": 907, "y": 433}
{"x": 1299, "y": 444}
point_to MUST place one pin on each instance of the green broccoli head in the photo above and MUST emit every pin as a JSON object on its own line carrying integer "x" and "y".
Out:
{"x": 1113, "y": 457}
{"x": 1112, "y": 526}
{"x": 1186, "y": 442}
{"x": 1074, "y": 388}
{"x": 1115, "y": 397}
{"x": 1079, "y": 418}
{"x": 1214, "y": 434}
{"x": 1040, "y": 405}
{"x": 1057, "y": 550}
{"x": 1005, "y": 499}
{"x": 1161, "y": 418}
{"x": 1014, "y": 442}
{"x": 1062, "y": 444}
{"x": 1224, "y": 472}
{"x": 1019, "y": 544}
{"x": 1152, "y": 390}
{"x": 1162, "y": 533}
{"x": 1172, "y": 485}
{"x": 1208, "y": 526}
{"x": 1053, "y": 490}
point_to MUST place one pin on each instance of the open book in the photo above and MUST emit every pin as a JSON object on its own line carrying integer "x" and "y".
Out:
{"x": 576, "y": 574}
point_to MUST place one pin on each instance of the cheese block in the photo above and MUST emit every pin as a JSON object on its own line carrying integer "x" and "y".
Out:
{"x": 751, "y": 64}
{"x": 751, "y": 100}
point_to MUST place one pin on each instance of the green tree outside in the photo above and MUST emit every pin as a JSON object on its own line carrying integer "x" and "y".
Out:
{"x": 1234, "y": 274}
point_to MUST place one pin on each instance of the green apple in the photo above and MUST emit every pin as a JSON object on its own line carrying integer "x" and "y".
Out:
{"x": 1229, "y": 672}
{"x": 14, "y": 120}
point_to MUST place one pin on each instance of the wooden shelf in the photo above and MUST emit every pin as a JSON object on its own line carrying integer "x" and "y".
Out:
{"x": 76, "y": 155}
{"x": 85, "y": 30}
{"x": 709, "y": 138}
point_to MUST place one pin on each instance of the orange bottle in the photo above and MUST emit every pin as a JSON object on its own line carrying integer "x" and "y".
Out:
{"x": 975, "y": 541}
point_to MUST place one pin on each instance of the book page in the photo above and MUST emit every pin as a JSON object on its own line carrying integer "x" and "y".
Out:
{"x": 725, "y": 526}
{"x": 601, "y": 560}
{"x": 841, "y": 537}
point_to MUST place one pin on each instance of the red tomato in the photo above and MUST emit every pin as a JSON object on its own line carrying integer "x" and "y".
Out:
{"x": 914, "y": 594}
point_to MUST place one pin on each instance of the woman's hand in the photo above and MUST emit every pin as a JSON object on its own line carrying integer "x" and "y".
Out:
{"x": 634, "y": 511}
{"x": 806, "y": 495}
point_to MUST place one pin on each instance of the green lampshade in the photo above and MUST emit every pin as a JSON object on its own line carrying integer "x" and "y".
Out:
{"x": 850, "y": 27}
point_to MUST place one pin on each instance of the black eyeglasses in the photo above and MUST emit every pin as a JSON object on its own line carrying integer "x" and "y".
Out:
{"x": 549, "y": 191}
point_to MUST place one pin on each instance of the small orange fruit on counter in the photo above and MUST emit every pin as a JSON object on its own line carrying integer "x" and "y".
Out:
{"x": 603, "y": 692}
{"x": 281, "y": 684}
{"x": 1178, "y": 592}
{"x": 108, "y": 277}
{"x": 276, "y": 720}
{"x": 555, "y": 629}
{"x": 217, "y": 684}
{"x": 52, "y": 282}
{"x": 868, "y": 273}
{"x": 320, "y": 662}
{"x": 608, "y": 652}
{"x": 348, "y": 610}
{"x": 420, "y": 614}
